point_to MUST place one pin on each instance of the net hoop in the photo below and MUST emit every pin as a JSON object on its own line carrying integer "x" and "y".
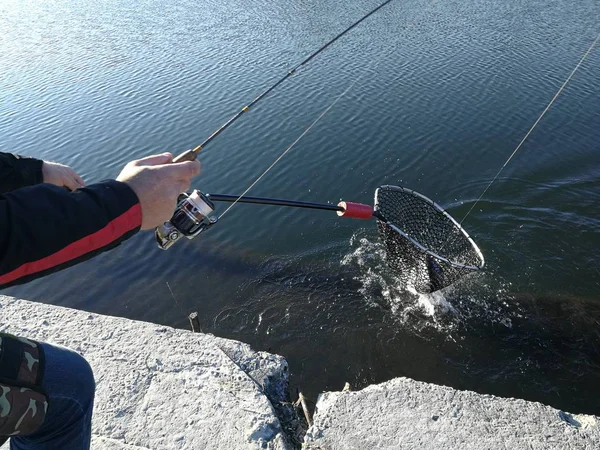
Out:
{"x": 447, "y": 215}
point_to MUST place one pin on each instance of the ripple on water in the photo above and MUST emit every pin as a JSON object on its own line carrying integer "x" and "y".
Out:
{"x": 449, "y": 89}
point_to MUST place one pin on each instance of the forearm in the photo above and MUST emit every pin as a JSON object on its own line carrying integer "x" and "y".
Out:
{"x": 45, "y": 228}
{"x": 18, "y": 171}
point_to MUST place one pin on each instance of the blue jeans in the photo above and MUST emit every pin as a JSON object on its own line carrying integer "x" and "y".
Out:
{"x": 69, "y": 385}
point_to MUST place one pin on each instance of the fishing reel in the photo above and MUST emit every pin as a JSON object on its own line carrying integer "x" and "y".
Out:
{"x": 192, "y": 216}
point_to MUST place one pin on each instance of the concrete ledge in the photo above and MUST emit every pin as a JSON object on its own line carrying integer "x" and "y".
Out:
{"x": 407, "y": 414}
{"x": 162, "y": 388}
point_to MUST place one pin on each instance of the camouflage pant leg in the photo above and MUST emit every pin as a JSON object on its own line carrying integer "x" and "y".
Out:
{"x": 69, "y": 385}
{"x": 23, "y": 403}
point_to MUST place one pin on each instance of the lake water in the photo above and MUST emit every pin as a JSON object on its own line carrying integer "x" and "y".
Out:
{"x": 445, "y": 91}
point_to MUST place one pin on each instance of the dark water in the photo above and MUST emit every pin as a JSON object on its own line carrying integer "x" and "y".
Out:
{"x": 448, "y": 89}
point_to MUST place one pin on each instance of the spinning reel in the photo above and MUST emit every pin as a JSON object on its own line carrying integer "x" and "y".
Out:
{"x": 193, "y": 215}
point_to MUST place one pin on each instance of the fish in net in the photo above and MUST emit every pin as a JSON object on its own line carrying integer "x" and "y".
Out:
{"x": 425, "y": 246}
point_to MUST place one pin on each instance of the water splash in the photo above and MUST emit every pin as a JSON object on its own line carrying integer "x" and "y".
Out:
{"x": 477, "y": 298}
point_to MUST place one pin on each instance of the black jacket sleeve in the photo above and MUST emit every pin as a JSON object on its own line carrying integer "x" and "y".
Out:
{"x": 44, "y": 228}
{"x": 18, "y": 171}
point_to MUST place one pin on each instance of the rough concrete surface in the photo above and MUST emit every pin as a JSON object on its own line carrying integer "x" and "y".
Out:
{"x": 162, "y": 388}
{"x": 407, "y": 414}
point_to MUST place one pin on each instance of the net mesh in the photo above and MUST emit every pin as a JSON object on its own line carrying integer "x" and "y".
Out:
{"x": 425, "y": 247}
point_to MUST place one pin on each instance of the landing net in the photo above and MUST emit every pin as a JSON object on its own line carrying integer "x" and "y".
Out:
{"x": 425, "y": 246}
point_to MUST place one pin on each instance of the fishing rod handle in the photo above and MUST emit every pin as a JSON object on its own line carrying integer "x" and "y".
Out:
{"x": 185, "y": 156}
{"x": 188, "y": 155}
{"x": 355, "y": 210}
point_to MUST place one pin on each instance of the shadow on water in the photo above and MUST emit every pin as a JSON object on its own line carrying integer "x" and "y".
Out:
{"x": 350, "y": 322}
{"x": 337, "y": 315}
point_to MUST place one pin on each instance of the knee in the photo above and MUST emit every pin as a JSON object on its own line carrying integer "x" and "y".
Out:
{"x": 68, "y": 375}
{"x": 83, "y": 379}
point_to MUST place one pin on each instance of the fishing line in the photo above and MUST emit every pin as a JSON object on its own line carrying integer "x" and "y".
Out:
{"x": 194, "y": 211}
{"x": 175, "y": 300}
{"x": 533, "y": 126}
{"x": 305, "y": 132}
{"x": 190, "y": 155}
{"x": 293, "y": 144}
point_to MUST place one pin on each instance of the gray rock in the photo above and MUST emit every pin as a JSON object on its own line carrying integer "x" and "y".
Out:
{"x": 407, "y": 414}
{"x": 162, "y": 388}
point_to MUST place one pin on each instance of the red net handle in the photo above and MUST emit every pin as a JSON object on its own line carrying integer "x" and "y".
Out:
{"x": 355, "y": 210}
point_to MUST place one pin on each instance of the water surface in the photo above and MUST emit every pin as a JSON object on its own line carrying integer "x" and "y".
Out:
{"x": 446, "y": 91}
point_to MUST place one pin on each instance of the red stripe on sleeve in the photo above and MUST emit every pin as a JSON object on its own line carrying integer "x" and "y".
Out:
{"x": 111, "y": 232}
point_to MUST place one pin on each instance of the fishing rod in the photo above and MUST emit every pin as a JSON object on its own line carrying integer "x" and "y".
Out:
{"x": 194, "y": 212}
{"x": 427, "y": 248}
{"x": 409, "y": 223}
{"x": 351, "y": 210}
{"x": 191, "y": 154}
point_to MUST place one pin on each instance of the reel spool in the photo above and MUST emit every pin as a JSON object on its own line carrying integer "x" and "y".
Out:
{"x": 192, "y": 216}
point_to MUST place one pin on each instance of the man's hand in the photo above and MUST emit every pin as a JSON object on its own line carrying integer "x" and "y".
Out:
{"x": 61, "y": 175}
{"x": 157, "y": 182}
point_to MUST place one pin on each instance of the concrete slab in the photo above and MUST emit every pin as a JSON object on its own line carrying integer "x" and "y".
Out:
{"x": 162, "y": 388}
{"x": 407, "y": 414}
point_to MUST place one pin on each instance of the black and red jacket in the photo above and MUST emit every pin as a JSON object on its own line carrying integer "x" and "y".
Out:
{"x": 45, "y": 228}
